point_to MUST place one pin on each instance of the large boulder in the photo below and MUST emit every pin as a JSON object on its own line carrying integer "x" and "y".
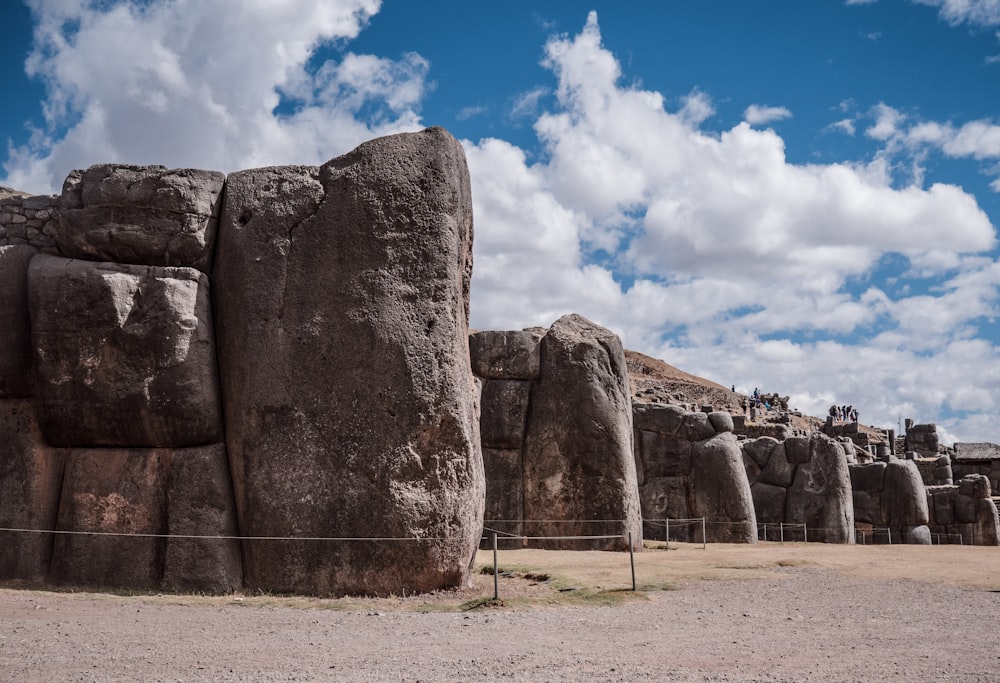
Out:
{"x": 31, "y": 474}
{"x": 147, "y": 215}
{"x": 578, "y": 463}
{"x": 904, "y": 499}
{"x": 120, "y": 496}
{"x": 200, "y": 504}
{"x": 504, "y": 412}
{"x": 351, "y": 409}
{"x": 820, "y": 495}
{"x": 720, "y": 491}
{"x": 503, "y": 496}
{"x": 505, "y": 354}
{"x": 125, "y": 355}
{"x": 15, "y": 325}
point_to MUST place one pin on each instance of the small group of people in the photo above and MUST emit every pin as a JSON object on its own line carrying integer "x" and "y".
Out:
{"x": 844, "y": 413}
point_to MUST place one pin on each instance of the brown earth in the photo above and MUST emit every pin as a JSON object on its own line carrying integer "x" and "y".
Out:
{"x": 768, "y": 612}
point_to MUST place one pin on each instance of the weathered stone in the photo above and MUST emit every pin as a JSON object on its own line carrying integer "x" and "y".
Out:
{"x": 504, "y": 412}
{"x": 797, "y": 449}
{"x": 665, "y": 456}
{"x": 868, "y": 507}
{"x": 637, "y": 457}
{"x": 965, "y": 508}
{"x": 122, "y": 492}
{"x": 696, "y": 427}
{"x": 719, "y": 490}
{"x": 145, "y": 215}
{"x": 504, "y": 498}
{"x": 751, "y": 467}
{"x": 943, "y": 504}
{"x": 768, "y": 503}
{"x": 665, "y": 498}
{"x": 15, "y": 325}
{"x": 509, "y": 354}
{"x": 904, "y": 499}
{"x": 820, "y": 495}
{"x": 124, "y": 354}
{"x": 578, "y": 463}
{"x": 974, "y": 486}
{"x": 200, "y": 503}
{"x": 778, "y": 471}
{"x": 721, "y": 421}
{"x": 868, "y": 476}
{"x": 657, "y": 417}
{"x": 917, "y": 535}
{"x": 987, "y": 525}
{"x": 351, "y": 408}
{"x": 30, "y": 479}
{"x": 759, "y": 449}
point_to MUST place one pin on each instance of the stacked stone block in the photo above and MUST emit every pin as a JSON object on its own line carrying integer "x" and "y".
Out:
{"x": 688, "y": 466}
{"x": 977, "y": 458}
{"x": 964, "y": 509}
{"x": 557, "y": 436}
{"x": 890, "y": 495}
{"x": 801, "y": 480}
{"x": 935, "y": 471}
{"x": 340, "y": 298}
{"x": 922, "y": 439}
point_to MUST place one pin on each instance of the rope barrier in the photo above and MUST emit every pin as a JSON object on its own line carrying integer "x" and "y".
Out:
{"x": 230, "y": 538}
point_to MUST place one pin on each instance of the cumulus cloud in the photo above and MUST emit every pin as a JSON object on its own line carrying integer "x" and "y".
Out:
{"x": 977, "y": 12}
{"x": 757, "y": 114}
{"x": 206, "y": 84}
{"x": 713, "y": 251}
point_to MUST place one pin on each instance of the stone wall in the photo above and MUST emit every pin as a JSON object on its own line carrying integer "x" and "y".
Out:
{"x": 689, "y": 466}
{"x": 285, "y": 358}
{"x": 557, "y": 436}
{"x": 935, "y": 471}
{"x": 922, "y": 439}
{"x": 890, "y": 495}
{"x": 964, "y": 509}
{"x": 801, "y": 480}
{"x": 977, "y": 458}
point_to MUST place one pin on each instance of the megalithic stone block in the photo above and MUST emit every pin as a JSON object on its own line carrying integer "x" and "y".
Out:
{"x": 30, "y": 479}
{"x": 144, "y": 215}
{"x": 125, "y": 355}
{"x": 351, "y": 408}
{"x": 15, "y": 324}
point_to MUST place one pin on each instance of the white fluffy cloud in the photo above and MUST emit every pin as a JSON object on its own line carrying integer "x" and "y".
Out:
{"x": 200, "y": 84}
{"x": 981, "y": 12}
{"x": 757, "y": 114}
{"x": 713, "y": 251}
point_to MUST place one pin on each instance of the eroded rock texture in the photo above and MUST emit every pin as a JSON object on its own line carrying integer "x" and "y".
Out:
{"x": 578, "y": 463}
{"x": 124, "y": 354}
{"x": 964, "y": 513}
{"x": 342, "y": 295}
{"x": 689, "y": 466}
{"x": 15, "y": 324}
{"x": 147, "y": 215}
{"x": 801, "y": 480}
{"x": 890, "y": 498}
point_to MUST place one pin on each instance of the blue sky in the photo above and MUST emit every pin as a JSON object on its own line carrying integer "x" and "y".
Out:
{"x": 800, "y": 196}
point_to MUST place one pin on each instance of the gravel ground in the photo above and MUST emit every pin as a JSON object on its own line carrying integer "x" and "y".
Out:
{"x": 806, "y": 624}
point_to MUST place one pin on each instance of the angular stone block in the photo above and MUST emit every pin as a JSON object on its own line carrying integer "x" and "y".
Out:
{"x": 15, "y": 325}
{"x": 200, "y": 503}
{"x": 721, "y": 421}
{"x": 658, "y": 417}
{"x": 512, "y": 354}
{"x": 943, "y": 503}
{"x": 504, "y": 499}
{"x": 868, "y": 507}
{"x": 578, "y": 462}
{"x": 778, "y": 471}
{"x": 146, "y": 215}
{"x": 30, "y": 479}
{"x": 125, "y": 355}
{"x": 663, "y": 499}
{"x": 122, "y": 493}
{"x": 820, "y": 495}
{"x": 797, "y": 449}
{"x": 351, "y": 408}
{"x": 504, "y": 412}
{"x": 768, "y": 503}
{"x": 665, "y": 456}
{"x": 867, "y": 476}
{"x": 759, "y": 449}
{"x": 696, "y": 427}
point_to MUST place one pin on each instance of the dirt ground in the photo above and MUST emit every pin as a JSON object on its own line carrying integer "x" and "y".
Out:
{"x": 769, "y": 612}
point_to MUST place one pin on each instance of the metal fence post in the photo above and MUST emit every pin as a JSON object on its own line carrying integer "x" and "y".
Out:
{"x": 496, "y": 570}
{"x": 704, "y": 539}
{"x": 667, "y": 523}
{"x": 631, "y": 559}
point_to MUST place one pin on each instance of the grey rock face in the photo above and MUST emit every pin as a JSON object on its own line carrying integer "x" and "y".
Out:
{"x": 719, "y": 489}
{"x": 124, "y": 354}
{"x": 904, "y": 499}
{"x": 578, "y": 464}
{"x": 505, "y": 354}
{"x": 30, "y": 478}
{"x": 505, "y": 412}
{"x": 200, "y": 503}
{"x": 503, "y": 495}
{"x": 768, "y": 503}
{"x": 342, "y": 311}
{"x": 820, "y": 495}
{"x": 15, "y": 325}
{"x": 145, "y": 215}
{"x": 119, "y": 492}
